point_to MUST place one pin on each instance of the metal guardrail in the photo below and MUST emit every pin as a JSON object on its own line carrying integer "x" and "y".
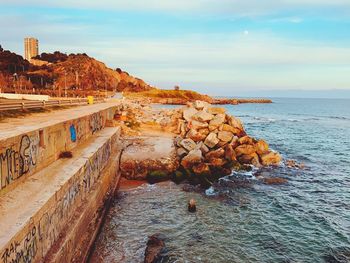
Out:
{"x": 23, "y": 105}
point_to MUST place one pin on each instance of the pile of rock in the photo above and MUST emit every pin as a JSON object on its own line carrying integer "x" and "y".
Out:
{"x": 211, "y": 143}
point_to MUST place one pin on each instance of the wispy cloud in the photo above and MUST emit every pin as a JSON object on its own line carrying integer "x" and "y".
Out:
{"x": 235, "y": 7}
{"x": 223, "y": 46}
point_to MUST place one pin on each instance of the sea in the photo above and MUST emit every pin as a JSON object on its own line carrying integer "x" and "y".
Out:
{"x": 241, "y": 219}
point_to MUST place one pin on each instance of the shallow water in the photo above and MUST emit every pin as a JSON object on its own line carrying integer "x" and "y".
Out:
{"x": 241, "y": 219}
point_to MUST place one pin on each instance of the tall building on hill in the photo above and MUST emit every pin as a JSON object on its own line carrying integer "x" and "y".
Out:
{"x": 31, "y": 48}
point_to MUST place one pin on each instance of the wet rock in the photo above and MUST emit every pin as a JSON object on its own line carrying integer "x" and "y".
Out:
{"x": 201, "y": 169}
{"x": 192, "y": 206}
{"x": 230, "y": 153}
{"x": 188, "y": 144}
{"x": 154, "y": 249}
{"x": 215, "y": 154}
{"x": 245, "y": 149}
{"x": 211, "y": 140}
{"x": 274, "y": 180}
{"x": 294, "y": 164}
{"x": 225, "y": 136}
{"x": 261, "y": 147}
{"x": 270, "y": 158}
{"x": 192, "y": 158}
{"x": 246, "y": 140}
{"x": 217, "y": 162}
{"x": 249, "y": 159}
{"x": 157, "y": 176}
{"x": 178, "y": 177}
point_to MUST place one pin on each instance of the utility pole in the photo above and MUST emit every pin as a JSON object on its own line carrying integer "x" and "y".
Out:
{"x": 65, "y": 84}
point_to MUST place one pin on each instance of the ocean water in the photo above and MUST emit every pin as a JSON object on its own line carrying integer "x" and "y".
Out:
{"x": 241, "y": 219}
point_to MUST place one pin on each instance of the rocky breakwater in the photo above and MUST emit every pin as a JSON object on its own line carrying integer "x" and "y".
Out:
{"x": 211, "y": 143}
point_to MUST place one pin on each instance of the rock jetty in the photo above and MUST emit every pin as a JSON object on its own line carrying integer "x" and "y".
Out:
{"x": 211, "y": 143}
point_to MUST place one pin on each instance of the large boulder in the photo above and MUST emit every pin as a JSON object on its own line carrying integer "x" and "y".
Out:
{"x": 197, "y": 125}
{"x": 270, "y": 158}
{"x": 200, "y": 105}
{"x": 203, "y": 116}
{"x": 192, "y": 158}
{"x": 195, "y": 136}
{"x": 212, "y": 140}
{"x": 188, "y": 113}
{"x": 201, "y": 169}
{"x": 215, "y": 153}
{"x": 245, "y": 149}
{"x": 261, "y": 147}
{"x": 218, "y": 120}
{"x": 236, "y": 123}
{"x": 235, "y": 131}
{"x": 246, "y": 140}
{"x": 249, "y": 159}
{"x": 204, "y": 131}
{"x": 188, "y": 144}
{"x": 216, "y": 110}
{"x": 225, "y": 136}
{"x": 230, "y": 153}
{"x": 217, "y": 162}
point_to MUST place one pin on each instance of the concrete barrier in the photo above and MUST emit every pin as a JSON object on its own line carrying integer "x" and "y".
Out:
{"x": 14, "y": 96}
{"x": 29, "y": 152}
{"x": 64, "y": 205}
{"x": 51, "y": 208}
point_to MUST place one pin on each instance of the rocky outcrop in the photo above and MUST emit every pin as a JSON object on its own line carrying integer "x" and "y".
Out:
{"x": 211, "y": 143}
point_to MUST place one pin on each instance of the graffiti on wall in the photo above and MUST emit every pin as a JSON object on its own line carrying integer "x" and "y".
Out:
{"x": 17, "y": 161}
{"x": 23, "y": 250}
{"x": 44, "y": 233}
{"x": 96, "y": 122}
{"x": 73, "y": 133}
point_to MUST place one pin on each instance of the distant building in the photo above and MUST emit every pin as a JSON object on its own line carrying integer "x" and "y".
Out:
{"x": 31, "y": 48}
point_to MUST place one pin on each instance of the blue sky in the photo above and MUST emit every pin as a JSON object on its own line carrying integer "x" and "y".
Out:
{"x": 226, "y": 47}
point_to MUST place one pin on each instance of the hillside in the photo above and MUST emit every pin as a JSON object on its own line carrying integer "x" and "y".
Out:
{"x": 77, "y": 72}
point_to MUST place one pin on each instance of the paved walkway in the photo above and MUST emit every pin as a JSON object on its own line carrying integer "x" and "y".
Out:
{"x": 16, "y": 126}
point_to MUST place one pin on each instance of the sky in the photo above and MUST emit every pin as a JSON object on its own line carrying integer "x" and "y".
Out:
{"x": 218, "y": 47}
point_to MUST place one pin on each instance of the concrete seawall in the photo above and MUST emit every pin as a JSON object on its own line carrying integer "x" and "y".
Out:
{"x": 51, "y": 206}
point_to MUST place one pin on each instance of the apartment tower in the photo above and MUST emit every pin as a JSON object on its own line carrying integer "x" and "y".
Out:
{"x": 31, "y": 48}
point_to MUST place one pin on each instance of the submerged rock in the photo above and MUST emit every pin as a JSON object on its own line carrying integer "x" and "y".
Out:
{"x": 270, "y": 158}
{"x": 154, "y": 249}
{"x": 274, "y": 180}
{"x": 192, "y": 206}
{"x": 157, "y": 176}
